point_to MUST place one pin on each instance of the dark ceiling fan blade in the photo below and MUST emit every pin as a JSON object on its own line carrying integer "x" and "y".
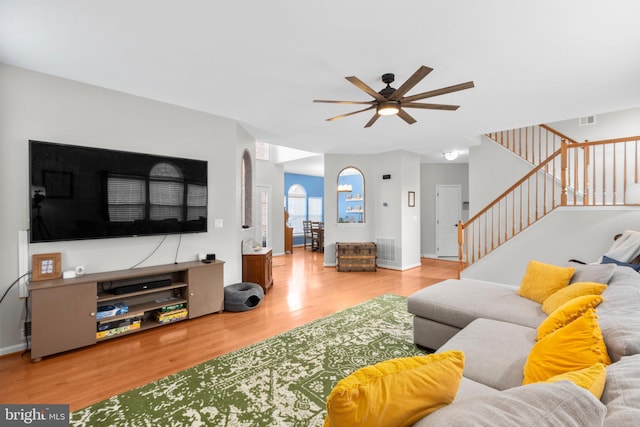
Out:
{"x": 363, "y": 86}
{"x": 372, "y": 121}
{"x": 437, "y": 92}
{"x": 431, "y": 106}
{"x": 344, "y": 102}
{"x": 406, "y": 117}
{"x": 349, "y": 114}
{"x": 420, "y": 74}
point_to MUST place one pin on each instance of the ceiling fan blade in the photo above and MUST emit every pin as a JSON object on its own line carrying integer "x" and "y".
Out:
{"x": 431, "y": 106}
{"x": 437, "y": 92}
{"x": 420, "y": 74}
{"x": 406, "y": 117}
{"x": 372, "y": 121}
{"x": 363, "y": 86}
{"x": 349, "y": 114}
{"x": 344, "y": 102}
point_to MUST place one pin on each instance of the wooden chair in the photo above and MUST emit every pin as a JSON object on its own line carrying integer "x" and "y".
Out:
{"x": 317, "y": 235}
{"x": 308, "y": 234}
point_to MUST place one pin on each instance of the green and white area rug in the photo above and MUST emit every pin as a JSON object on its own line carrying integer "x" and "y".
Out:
{"x": 282, "y": 381}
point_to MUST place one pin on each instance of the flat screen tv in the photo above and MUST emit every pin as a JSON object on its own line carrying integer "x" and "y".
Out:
{"x": 92, "y": 193}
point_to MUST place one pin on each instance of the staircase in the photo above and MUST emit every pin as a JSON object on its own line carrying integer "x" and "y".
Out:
{"x": 563, "y": 173}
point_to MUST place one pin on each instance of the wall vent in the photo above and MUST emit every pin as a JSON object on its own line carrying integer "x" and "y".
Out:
{"x": 586, "y": 121}
{"x": 386, "y": 249}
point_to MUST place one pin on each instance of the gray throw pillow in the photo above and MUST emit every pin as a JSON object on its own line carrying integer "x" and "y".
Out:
{"x": 598, "y": 273}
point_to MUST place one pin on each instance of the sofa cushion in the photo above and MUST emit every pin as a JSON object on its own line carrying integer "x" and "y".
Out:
{"x": 592, "y": 378}
{"x": 470, "y": 388}
{"x": 541, "y": 280}
{"x": 567, "y": 313}
{"x": 395, "y": 392}
{"x": 624, "y": 276}
{"x": 430, "y": 334}
{"x": 540, "y": 405}
{"x": 622, "y": 392}
{"x": 618, "y": 314}
{"x": 570, "y": 292}
{"x": 495, "y": 351}
{"x": 457, "y": 302}
{"x": 619, "y": 320}
{"x": 598, "y": 273}
{"x": 574, "y": 346}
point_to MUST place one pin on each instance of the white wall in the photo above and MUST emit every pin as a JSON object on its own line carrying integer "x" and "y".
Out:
{"x": 395, "y": 220}
{"x": 272, "y": 175}
{"x": 333, "y": 231}
{"x": 567, "y": 233}
{"x": 431, "y": 175}
{"x": 42, "y": 107}
{"x": 410, "y": 216}
{"x": 618, "y": 124}
{"x": 492, "y": 169}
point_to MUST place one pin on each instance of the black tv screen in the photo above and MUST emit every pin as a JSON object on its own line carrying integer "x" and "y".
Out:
{"x": 92, "y": 193}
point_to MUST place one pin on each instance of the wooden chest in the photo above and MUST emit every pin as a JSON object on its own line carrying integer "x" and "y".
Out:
{"x": 356, "y": 256}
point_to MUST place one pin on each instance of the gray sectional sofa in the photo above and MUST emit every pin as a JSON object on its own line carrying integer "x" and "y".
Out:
{"x": 496, "y": 330}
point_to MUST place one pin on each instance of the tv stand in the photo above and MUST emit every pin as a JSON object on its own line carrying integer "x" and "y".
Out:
{"x": 63, "y": 311}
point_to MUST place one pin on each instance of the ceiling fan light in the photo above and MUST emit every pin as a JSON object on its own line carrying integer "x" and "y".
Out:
{"x": 450, "y": 155}
{"x": 388, "y": 108}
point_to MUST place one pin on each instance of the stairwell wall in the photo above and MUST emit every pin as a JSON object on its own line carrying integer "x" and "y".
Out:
{"x": 583, "y": 233}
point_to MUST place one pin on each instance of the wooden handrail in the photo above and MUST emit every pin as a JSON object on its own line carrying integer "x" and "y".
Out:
{"x": 531, "y": 143}
{"x": 514, "y": 186}
{"x": 561, "y": 135}
{"x": 607, "y": 141}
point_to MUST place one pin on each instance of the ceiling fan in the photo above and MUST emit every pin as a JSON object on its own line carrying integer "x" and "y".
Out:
{"x": 390, "y": 101}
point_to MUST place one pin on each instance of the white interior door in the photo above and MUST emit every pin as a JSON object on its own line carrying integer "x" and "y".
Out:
{"x": 448, "y": 211}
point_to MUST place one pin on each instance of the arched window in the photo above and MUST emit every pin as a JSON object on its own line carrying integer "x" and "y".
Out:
{"x": 297, "y": 207}
{"x": 350, "y": 196}
{"x": 246, "y": 196}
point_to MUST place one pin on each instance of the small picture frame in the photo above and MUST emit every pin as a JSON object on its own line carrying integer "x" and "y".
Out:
{"x": 412, "y": 199}
{"x": 46, "y": 266}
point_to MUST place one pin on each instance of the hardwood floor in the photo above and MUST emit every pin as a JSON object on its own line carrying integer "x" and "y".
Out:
{"x": 303, "y": 291}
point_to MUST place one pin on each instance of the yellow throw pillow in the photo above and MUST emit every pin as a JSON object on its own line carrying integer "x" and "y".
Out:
{"x": 574, "y": 346}
{"x": 396, "y": 392}
{"x": 592, "y": 378}
{"x": 566, "y": 313}
{"x": 570, "y": 292}
{"x": 541, "y": 280}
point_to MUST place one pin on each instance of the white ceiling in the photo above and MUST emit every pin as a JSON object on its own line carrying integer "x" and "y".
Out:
{"x": 263, "y": 62}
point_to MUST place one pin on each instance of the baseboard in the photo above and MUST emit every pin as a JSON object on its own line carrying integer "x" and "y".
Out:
{"x": 402, "y": 268}
{"x": 16, "y": 348}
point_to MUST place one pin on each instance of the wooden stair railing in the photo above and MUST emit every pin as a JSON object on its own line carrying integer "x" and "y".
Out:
{"x": 595, "y": 173}
{"x": 532, "y": 143}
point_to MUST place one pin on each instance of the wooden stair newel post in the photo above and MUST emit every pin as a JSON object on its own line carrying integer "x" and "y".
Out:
{"x": 460, "y": 250}
{"x": 563, "y": 165}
